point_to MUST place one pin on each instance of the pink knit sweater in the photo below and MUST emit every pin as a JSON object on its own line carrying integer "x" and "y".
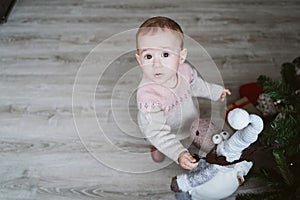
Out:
{"x": 165, "y": 114}
{"x": 153, "y": 97}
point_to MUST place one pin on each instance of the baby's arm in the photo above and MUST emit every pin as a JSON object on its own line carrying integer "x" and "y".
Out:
{"x": 158, "y": 133}
{"x": 201, "y": 88}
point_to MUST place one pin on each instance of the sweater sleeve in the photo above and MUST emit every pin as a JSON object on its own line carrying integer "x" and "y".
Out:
{"x": 201, "y": 88}
{"x": 158, "y": 133}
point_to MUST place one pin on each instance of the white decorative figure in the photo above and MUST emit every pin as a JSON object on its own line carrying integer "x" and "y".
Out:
{"x": 214, "y": 181}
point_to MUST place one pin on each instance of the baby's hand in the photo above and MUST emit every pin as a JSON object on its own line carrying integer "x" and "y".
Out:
{"x": 187, "y": 161}
{"x": 224, "y": 94}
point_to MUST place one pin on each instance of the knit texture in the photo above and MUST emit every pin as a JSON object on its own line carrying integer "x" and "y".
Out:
{"x": 153, "y": 97}
{"x": 165, "y": 115}
{"x": 238, "y": 118}
{"x": 241, "y": 139}
{"x": 198, "y": 176}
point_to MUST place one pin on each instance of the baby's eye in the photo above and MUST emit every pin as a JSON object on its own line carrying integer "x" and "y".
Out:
{"x": 148, "y": 57}
{"x": 165, "y": 54}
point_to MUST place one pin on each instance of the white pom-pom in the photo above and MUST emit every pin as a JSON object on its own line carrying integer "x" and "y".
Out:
{"x": 238, "y": 118}
{"x": 217, "y": 139}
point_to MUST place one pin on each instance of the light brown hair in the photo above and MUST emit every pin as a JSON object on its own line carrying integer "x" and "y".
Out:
{"x": 152, "y": 25}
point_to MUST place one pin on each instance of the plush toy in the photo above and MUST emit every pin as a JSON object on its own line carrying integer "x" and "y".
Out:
{"x": 202, "y": 131}
{"x": 222, "y": 171}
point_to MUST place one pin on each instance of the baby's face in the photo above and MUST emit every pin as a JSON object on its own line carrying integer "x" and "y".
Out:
{"x": 159, "y": 55}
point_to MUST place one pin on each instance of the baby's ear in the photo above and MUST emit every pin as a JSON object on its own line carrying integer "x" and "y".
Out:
{"x": 183, "y": 54}
{"x": 138, "y": 58}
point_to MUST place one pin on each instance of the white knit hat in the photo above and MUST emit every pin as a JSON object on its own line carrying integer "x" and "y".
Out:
{"x": 248, "y": 128}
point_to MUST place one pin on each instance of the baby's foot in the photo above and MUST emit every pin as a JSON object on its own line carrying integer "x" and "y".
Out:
{"x": 156, "y": 155}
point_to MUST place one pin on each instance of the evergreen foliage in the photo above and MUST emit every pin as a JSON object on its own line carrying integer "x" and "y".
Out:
{"x": 282, "y": 131}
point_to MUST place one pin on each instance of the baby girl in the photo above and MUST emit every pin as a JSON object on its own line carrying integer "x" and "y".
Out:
{"x": 164, "y": 96}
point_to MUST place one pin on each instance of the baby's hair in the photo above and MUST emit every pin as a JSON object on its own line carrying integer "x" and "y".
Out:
{"x": 152, "y": 25}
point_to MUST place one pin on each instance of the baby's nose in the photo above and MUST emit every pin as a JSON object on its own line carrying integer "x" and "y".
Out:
{"x": 156, "y": 62}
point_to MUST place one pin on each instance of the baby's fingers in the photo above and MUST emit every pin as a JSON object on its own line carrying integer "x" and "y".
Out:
{"x": 187, "y": 161}
{"x": 227, "y": 91}
{"x": 190, "y": 165}
{"x": 190, "y": 162}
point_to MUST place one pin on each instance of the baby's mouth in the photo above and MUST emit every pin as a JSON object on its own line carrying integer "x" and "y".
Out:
{"x": 157, "y": 75}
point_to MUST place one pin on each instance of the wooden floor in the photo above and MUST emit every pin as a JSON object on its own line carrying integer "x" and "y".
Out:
{"x": 67, "y": 85}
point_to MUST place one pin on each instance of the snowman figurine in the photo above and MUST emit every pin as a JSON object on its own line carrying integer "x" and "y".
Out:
{"x": 212, "y": 181}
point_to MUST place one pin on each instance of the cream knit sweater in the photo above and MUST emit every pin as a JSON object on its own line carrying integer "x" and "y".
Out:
{"x": 165, "y": 114}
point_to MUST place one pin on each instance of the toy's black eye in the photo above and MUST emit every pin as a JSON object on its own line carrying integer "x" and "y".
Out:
{"x": 217, "y": 139}
{"x": 224, "y": 135}
{"x": 197, "y": 133}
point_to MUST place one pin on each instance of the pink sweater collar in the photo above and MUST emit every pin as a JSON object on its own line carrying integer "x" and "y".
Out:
{"x": 152, "y": 97}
